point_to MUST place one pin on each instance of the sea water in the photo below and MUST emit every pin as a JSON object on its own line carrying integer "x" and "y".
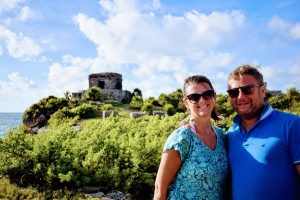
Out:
{"x": 8, "y": 121}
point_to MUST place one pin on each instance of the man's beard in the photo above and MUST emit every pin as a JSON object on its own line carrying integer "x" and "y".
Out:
{"x": 255, "y": 113}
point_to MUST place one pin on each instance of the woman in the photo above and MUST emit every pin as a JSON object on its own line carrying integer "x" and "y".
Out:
{"x": 194, "y": 161}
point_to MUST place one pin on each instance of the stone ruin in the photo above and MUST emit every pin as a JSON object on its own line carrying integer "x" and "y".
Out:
{"x": 110, "y": 85}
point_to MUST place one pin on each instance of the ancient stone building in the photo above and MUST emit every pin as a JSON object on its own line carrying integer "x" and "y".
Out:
{"x": 110, "y": 85}
{"x": 108, "y": 80}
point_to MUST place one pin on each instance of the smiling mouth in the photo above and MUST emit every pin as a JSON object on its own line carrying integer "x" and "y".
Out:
{"x": 202, "y": 107}
{"x": 242, "y": 103}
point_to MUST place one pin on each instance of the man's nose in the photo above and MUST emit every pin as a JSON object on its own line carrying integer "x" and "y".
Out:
{"x": 241, "y": 94}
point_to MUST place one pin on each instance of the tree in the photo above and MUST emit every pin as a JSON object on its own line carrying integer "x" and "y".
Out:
{"x": 93, "y": 94}
{"x": 175, "y": 98}
{"x": 268, "y": 96}
{"x": 137, "y": 92}
{"x": 68, "y": 95}
{"x": 152, "y": 101}
{"x": 169, "y": 108}
{"x": 136, "y": 102}
{"x": 280, "y": 102}
{"x": 147, "y": 107}
{"x": 293, "y": 95}
{"x": 223, "y": 105}
{"x": 163, "y": 99}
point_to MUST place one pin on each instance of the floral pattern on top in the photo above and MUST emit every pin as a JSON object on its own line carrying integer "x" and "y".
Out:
{"x": 203, "y": 171}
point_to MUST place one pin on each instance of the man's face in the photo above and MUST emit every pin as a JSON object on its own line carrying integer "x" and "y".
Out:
{"x": 247, "y": 106}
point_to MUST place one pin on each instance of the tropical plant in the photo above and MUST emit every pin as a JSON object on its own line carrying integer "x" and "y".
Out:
{"x": 169, "y": 108}
{"x": 93, "y": 94}
{"x": 86, "y": 110}
{"x": 137, "y": 92}
{"x": 136, "y": 102}
{"x": 148, "y": 108}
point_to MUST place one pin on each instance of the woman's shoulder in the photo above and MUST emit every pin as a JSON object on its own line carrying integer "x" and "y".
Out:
{"x": 181, "y": 132}
{"x": 219, "y": 131}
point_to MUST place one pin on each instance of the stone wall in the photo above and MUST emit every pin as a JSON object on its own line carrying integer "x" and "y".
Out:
{"x": 116, "y": 95}
{"x": 107, "y": 113}
{"x": 79, "y": 94}
{"x": 106, "y": 80}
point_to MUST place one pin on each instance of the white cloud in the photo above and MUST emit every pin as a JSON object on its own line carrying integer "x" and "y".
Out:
{"x": 49, "y": 43}
{"x": 26, "y": 13}
{"x": 295, "y": 31}
{"x": 215, "y": 59}
{"x": 295, "y": 70}
{"x": 43, "y": 59}
{"x": 153, "y": 85}
{"x": 275, "y": 76}
{"x": 156, "y": 46}
{"x": 18, "y": 92}
{"x": 117, "y": 6}
{"x": 19, "y": 83}
{"x": 7, "y": 5}
{"x": 159, "y": 45}
{"x": 277, "y": 23}
{"x": 288, "y": 29}
{"x": 126, "y": 35}
{"x": 18, "y": 45}
{"x": 72, "y": 75}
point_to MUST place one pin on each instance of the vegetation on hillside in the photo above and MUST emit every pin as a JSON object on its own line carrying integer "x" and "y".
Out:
{"x": 117, "y": 153}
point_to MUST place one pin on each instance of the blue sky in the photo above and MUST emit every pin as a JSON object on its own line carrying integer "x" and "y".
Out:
{"x": 49, "y": 47}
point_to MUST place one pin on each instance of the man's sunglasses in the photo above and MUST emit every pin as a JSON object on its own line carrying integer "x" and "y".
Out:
{"x": 207, "y": 95}
{"x": 247, "y": 90}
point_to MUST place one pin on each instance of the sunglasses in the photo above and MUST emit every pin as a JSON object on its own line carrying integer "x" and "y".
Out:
{"x": 247, "y": 90}
{"x": 207, "y": 95}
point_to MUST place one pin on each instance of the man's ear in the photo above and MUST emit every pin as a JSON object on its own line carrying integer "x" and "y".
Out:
{"x": 264, "y": 90}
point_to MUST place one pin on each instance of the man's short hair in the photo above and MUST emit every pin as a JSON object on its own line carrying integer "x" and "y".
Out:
{"x": 246, "y": 70}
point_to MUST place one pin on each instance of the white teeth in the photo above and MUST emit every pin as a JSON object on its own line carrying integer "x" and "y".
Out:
{"x": 243, "y": 103}
{"x": 203, "y": 106}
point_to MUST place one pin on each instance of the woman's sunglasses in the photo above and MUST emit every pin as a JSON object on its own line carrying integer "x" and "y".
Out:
{"x": 207, "y": 95}
{"x": 247, "y": 90}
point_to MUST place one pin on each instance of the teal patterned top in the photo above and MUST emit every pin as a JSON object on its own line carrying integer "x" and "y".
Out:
{"x": 203, "y": 171}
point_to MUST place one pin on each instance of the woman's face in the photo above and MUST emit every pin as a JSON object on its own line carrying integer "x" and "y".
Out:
{"x": 205, "y": 105}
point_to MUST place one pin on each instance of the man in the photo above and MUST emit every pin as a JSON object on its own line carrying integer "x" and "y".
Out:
{"x": 264, "y": 144}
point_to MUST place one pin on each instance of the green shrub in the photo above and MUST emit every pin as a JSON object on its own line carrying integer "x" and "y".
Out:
{"x": 163, "y": 99}
{"x": 86, "y": 111}
{"x": 148, "y": 108}
{"x": 169, "y": 108}
{"x": 223, "y": 106}
{"x": 280, "y": 102}
{"x": 46, "y": 106}
{"x": 117, "y": 153}
{"x": 136, "y": 102}
{"x": 107, "y": 107}
{"x": 225, "y": 122}
{"x": 93, "y": 94}
{"x": 63, "y": 116}
{"x": 152, "y": 101}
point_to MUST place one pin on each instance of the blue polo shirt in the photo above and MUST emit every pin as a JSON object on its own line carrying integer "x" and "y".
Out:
{"x": 263, "y": 160}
